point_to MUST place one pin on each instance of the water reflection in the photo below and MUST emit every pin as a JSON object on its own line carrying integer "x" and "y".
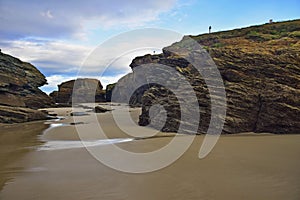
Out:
{"x": 15, "y": 141}
{"x": 63, "y": 144}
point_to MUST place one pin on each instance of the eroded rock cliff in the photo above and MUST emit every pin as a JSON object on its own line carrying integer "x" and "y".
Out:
{"x": 19, "y": 82}
{"x": 260, "y": 69}
{"x": 19, "y": 92}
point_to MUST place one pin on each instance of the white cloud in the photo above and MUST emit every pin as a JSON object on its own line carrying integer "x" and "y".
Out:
{"x": 57, "y": 56}
{"x": 110, "y": 57}
{"x": 65, "y": 18}
{"x": 55, "y": 80}
{"x": 47, "y": 14}
{"x": 34, "y": 30}
{"x": 62, "y": 60}
{"x": 118, "y": 52}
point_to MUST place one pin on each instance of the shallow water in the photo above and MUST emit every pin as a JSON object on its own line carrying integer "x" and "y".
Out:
{"x": 15, "y": 142}
{"x": 59, "y": 144}
{"x": 57, "y": 167}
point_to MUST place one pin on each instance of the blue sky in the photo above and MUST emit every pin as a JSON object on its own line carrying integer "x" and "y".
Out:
{"x": 57, "y": 36}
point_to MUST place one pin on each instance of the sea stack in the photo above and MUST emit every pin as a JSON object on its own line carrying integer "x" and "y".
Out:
{"x": 87, "y": 91}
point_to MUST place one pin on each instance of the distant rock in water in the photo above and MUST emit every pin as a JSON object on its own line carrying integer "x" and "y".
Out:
{"x": 260, "y": 68}
{"x": 86, "y": 91}
{"x": 19, "y": 92}
{"x": 19, "y": 82}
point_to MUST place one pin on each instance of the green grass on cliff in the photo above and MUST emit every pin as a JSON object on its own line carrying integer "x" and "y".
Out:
{"x": 260, "y": 33}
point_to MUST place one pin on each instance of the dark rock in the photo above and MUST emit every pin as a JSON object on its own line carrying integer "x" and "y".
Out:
{"x": 76, "y": 123}
{"x": 99, "y": 109}
{"x": 9, "y": 114}
{"x": 19, "y": 92}
{"x": 19, "y": 82}
{"x": 84, "y": 106}
{"x": 78, "y": 114}
{"x": 86, "y": 91}
{"x": 126, "y": 90}
{"x": 52, "y": 114}
{"x": 108, "y": 91}
{"x": 54, "y": 96}
{"x": 261, "y": 78}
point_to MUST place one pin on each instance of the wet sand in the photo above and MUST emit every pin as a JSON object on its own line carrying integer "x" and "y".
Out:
{"x": 245, "y": 166}
{"x": 15, "y": 142}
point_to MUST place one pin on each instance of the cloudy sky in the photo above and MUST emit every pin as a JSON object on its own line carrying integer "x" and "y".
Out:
{"x": 58, "y": 37}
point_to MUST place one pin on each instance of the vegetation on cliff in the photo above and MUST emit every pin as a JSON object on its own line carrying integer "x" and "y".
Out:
{"x": 260, "y": 68}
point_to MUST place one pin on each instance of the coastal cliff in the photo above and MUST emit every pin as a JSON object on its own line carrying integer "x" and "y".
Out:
{"x": 260, "y": 69}
{"x": 87, "y": 90}
{"x": 19, "y": 91}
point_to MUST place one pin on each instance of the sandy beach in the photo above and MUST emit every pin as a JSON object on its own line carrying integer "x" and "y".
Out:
{"x": 52, "y": 164}
{"x": 151, "y": 100}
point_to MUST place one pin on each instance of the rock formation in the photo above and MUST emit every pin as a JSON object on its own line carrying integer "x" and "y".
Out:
{"x": 86, "y": 91}
{"x": 9, "y": 114}
{"x": 260, "y": 68}
{"x": 108, "y": 91}
{"x": 19, "y": 92}
{"x": 99, "y": 109}
{"x": 126, "y": 85}
{"x": 19, "y": 82}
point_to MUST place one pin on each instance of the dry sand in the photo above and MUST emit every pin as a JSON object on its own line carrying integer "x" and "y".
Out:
{"x": 245, "y": 166}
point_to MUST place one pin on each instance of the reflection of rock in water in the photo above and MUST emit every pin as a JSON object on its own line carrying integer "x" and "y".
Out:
{"x": 69, "y": 144}
{"x": 78, "y": 114}
{"x": 14, "y": 142}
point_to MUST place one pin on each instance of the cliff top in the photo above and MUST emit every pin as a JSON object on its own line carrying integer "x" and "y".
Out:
{"x": 259, "y": 67}
{"x": 285, "y": 34}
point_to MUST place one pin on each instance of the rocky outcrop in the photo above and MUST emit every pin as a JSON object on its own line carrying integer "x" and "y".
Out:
{"x": 19, "y": 92}
{"x": 9, "y": 114}
{"x": 86, "y": 91}
{"x": 99, "y": 109}
{"x": 260, "y": 69}
{"x": 127, "y": 91}
{"x": 19, "y": 82}
{"x": 108, "y": 91}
